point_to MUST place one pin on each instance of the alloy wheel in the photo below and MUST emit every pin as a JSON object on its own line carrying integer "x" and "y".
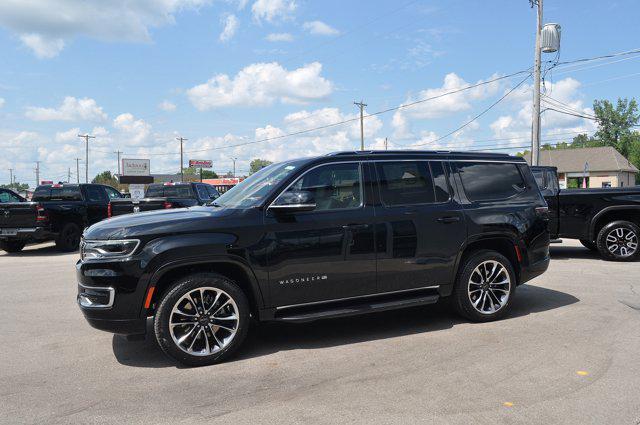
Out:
{"x": 204, "y": 321}
{"x": 622, "y": 242}
{"x": 489, "y": 287}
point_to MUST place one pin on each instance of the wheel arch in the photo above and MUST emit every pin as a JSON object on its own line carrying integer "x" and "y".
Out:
{"x": 613, "y": 213}
{"x": 231, "y": 268}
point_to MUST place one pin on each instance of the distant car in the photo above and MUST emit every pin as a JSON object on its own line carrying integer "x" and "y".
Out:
{"x": 166, "y": 195}
{"x": 8, "y": 196}
{"x": 606, "y": 220}
{"x": 56, "y": 212}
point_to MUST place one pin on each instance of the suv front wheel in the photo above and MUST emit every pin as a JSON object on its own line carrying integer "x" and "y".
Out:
{"x": 202, "y": 320}
{"x": 485, "y": 287}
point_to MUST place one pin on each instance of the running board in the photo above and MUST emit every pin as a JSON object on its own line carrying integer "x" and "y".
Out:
{"x": 356, "y": 307}
{"x": 555, "y": 241}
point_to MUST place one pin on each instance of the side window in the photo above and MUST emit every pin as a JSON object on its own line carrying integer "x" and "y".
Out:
{"x": 332, "y": 186}
{"x": 202, "y": 192}
{"x": 112, "y": 193}
{"x": 485, "y": 181}
{"x": 440, "y": 185}
{"x": 541, "y": 179}
{"x": 8, "y": 197}
{"x": 405, "y": 183}
{"x": 94, "y": 193}
{"x": 213, "y": 193}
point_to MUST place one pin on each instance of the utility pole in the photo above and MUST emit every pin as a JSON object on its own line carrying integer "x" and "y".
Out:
{"x": 10, "y": 177}
{"x": 118, "y": 153}
{"x": 361, "y": 105}
{"x": 182, "y": 139}
{"x": 234, "y": 167}
{"x": 78, "y": 170}
{"x": 86, "y": 138}
{"x": 69, "y": 175}
{"x": 386, "y": 144}
{"x": 535, "y": 126}
{"x": 37, "y": 173}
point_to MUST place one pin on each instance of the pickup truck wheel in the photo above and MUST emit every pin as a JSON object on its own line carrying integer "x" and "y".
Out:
{"x": 12, "y": 246}
{"x": 202, "y": 320}
{"x": 485, "y": 287}
{"x": 618, "y": 241}
{"x": 591, "y": 246}
{"x": 69, "y": 237}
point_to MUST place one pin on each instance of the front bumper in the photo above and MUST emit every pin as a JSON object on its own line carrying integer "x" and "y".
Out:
{"x": 25, "y": 234}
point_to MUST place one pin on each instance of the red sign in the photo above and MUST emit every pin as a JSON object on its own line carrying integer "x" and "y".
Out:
{"x": 46, "y": 182}
{"x": 200, "y": 163}
{"x": 229, "y": 181}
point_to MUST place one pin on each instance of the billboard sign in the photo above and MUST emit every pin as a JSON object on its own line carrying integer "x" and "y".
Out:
{"x": 136, "y": 167}
{"x": 200, "y": 163}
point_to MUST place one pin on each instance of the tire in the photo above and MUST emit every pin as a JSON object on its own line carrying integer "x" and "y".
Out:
{"x": 618, "y": 241}
{"x": 205, "y": 342}
{"x": 591, "y": 246}
{"x": 69, "y": 238}
{"x": 472, "y": 282}
{"x": 12, "y": 246}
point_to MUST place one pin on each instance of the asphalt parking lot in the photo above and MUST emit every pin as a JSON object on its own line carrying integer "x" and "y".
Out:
{"x": 568, "y": 353}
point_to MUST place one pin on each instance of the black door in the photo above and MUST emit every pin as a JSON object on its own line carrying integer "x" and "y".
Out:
{"x": 327, "y": 253}
{"x": 97, "y": 201}
{"x": 420, "y": 228}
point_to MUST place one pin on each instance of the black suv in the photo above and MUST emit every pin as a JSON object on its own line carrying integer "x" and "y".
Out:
{"x": 338, "y": 235}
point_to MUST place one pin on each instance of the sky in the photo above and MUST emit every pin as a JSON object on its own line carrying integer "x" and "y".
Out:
{"x": 227, "y": 74}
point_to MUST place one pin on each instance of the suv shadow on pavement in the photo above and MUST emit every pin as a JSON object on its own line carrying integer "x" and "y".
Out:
{"x": 272, "y": 337}
{"x": 564, "y": 252}
{"x": 44, "y": 250}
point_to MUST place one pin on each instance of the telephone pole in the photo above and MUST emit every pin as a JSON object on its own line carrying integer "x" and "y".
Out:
{"x": 37, "y": 173}
{"x": 10, "y": 177}
{"x": 234, "y": 167}
{"x": 118, "y": 153}
{"x": 535, "y": 126}
{"x": 182, "y": 140}
{"x": 386, "y": 144}
{"x": 78, "y": 170}
{"x": 361, "y": 105}
{"x": 69, "y": 175}
{"x": 86, "y": 138}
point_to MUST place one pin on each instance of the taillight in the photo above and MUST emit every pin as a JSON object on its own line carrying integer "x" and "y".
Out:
{"x": 109, "y": 210}
{"x": 167, "y": 205}
{"x": 41, "y": 214}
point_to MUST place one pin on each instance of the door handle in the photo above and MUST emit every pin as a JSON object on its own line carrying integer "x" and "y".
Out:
{"x": 447, "y": 220}
{"x": 355, "y": 226}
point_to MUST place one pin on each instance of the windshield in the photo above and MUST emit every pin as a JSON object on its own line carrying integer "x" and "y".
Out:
{"x": 255, "y": 188}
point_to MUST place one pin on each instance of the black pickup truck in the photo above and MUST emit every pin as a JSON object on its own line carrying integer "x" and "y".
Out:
{"x": 166, "y": 195}
{"x": 606, "y": 220}
{"x": 56, "y": 212}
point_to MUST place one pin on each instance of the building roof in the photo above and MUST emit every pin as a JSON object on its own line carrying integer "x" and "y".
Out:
{"x": 603, "y": 158}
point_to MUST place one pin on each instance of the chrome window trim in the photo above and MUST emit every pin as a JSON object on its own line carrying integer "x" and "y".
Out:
{"x": 109, "y": 289}
{"x": 356, "y": 297}
{"x": 360, "y": 174}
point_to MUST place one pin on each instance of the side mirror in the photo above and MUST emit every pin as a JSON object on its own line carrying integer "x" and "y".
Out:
{"x": 290, "y": 202}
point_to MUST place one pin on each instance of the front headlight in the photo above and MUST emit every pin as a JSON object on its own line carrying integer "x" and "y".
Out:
{"x": 90, "y": 250}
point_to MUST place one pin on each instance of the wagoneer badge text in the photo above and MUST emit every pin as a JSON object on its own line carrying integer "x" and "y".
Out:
{"x": 303, "y": 279}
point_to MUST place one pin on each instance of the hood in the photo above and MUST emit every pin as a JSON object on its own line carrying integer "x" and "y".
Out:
{"x": 152, "y": 224}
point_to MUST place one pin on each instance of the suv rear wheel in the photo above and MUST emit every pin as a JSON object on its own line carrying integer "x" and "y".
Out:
{"x": 12, "y": 246}
{"x": 202, "y": 320}
{"x": 618, "y": 241}
{"x": 485, "y": 287}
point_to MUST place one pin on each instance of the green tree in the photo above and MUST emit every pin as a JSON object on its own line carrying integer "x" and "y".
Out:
{"x": 258, "y": 164}
{"x": 15, "y": 186}
{"x": 615, "y": 124}
{"x": 107, "y": 178}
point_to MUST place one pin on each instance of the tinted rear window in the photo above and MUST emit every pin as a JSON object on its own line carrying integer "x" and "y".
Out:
{"x": 178, "y": 191}
{"x": 63, "y": 193}
{"x": 487, "y": 181}
{"x": 405, "y": 182}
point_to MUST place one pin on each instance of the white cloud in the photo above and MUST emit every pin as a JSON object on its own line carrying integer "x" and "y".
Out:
{"x": 262, "y": 84}
{"x": 320, "y": 28}
{"x": 43, "y": 48}
{"x": 67, "y": 136}
{"x": 2, "y": 102}
{"x": 283, "y": 36}
{"x": 231, "y": 24}
{"x": 135, "y": 131}
{"x": 45, "y": 25}
{"x": 441, "y": 106}
{"x": 273, "y": 10}
{"x": 71, "y": 109}
{"x": 167, "y": 106}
